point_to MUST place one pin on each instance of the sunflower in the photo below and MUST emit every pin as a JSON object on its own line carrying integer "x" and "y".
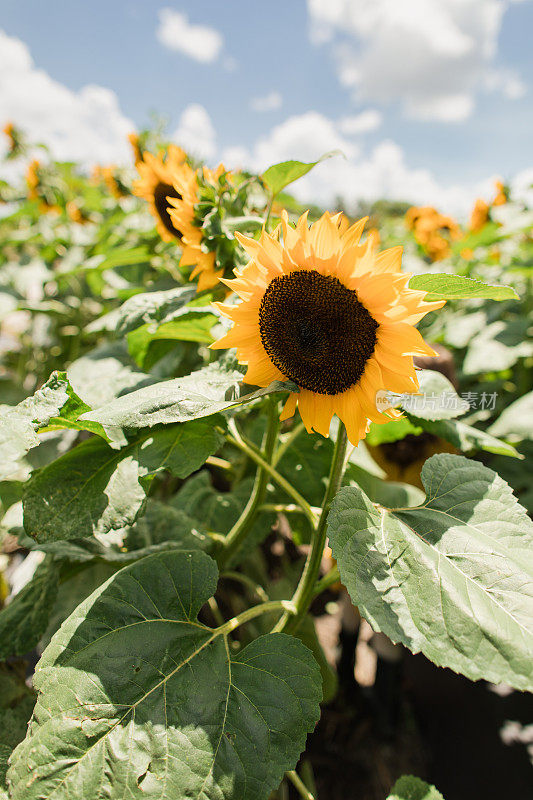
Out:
{"x": 156, "y": 184}
{"x": 10, "y": 132}
{"x": 183, "y": 216}
{"x": 333, "y": 316}
{"x": 32, "y": 179}
{"x": 479, "y": 216}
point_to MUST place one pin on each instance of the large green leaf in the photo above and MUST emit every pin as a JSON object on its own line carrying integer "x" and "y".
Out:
{"x": 201, "y": 394}
{"x": 451, "y": 578}
{"x": 437, "y": 398}
{"x": 150, "y": 307}
{"x": 94, "y": 489}
{"x": 105, "y": 373}
{"x": 23, "y": 621}
{"x": 19, "y": 424}
{"x": 16, "y": 706}
{"x": 410, "y": 788}
{"x": 138, "y": 699}
{"x": 465, "y": 437}
{"x": 516, "y": 421}
{"x": 192, "y": 325}
{"x": 441, "y": 286}
{"x": 278, "y": 176}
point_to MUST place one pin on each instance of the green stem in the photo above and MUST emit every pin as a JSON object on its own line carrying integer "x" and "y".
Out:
{"x": 305, "y": 590}
{"x": 299, "y": 785}
{"x": 291, "y": 436}
{"x": 245, "y": 580}
{"x": 240, "y": 530}
{"x": 328, "y": 580}
{"x": 256, "y": 611}
{"x": 238, "y": 442}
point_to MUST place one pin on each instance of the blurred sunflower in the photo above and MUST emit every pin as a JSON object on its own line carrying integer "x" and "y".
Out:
{"x": 500, "y": 198}
{"x": 156, "y": 185}
{"x": 433, "y": 231}
{"x": 479, "y": 216}
{"x": 333, "y": 316}
{"x": 32, "y": 179}
{"x": 10, "y": 131}
{"x": 135, "y": 143}
{"x": 184, "y": 219}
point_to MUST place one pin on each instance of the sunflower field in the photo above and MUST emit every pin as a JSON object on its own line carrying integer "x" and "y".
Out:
{"x": 253, "y": 456}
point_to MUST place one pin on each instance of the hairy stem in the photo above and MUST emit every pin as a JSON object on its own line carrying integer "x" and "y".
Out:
{"x": 305, "y": 590}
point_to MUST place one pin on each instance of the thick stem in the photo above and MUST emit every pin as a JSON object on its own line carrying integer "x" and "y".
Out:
{"x": 305, "y": 590}
{"x": 240, "y": 530}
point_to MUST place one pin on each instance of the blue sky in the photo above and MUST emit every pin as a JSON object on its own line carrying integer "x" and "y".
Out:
{"x": 444, "y": 86}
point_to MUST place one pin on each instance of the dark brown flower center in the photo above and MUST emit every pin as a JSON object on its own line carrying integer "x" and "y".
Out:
{"x": 316, "y": 331}
{"x": 161, "y": 192}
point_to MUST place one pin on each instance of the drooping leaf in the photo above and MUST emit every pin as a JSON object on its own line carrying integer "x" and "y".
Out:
{"x": 19, "y": 424}
{"x": 441, "y": 286}
{"x": 95, "y": 489}
{"x": 452, "y": 577}
{"x": 163, "y": 708}
{"x": 410, "y": 788}
{"x": 278, "y": 176}
{"x": 24, "y": 620}
{"x": 201, "y": 394}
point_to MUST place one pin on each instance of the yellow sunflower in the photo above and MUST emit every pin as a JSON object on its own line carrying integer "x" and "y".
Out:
{"x": 156, "y": 185}
{"x": 333, "y": 316}
{"x": 183, "y": 216}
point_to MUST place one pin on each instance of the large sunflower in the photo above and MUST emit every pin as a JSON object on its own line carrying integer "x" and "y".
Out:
{"x": 156, "y": 184}
{"x": 183, "y": 216}
{"x": 331, "y": 315}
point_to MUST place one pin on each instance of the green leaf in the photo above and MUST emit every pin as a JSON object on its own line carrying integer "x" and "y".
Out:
{"x": 516, "y": 421}
{"x": 137, "y": 698}
{"x": 194, "y": 325}
{"x": 16, "y": 706}
{"x": 498, "y": 346}
{"x": 441, "y": 286}
{"x": 278, "y": 176}
{"x": 105, "y": 373}
{"x": 203, "y": 393}
{"x": 437, "y": 399}
{"x": 451, "y": 578}
{"x": 19, "y": 424}
{"x": 465, "y": 437}
{"x": 392, "y": 431}
{"x": 23, "y": 621}
{"x": 149, "y": 307}
{"x": 410, "y": 788}
{"x": 95, "y": 489}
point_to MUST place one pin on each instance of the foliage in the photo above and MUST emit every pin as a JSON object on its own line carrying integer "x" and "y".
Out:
{"x": 144, "y": 477}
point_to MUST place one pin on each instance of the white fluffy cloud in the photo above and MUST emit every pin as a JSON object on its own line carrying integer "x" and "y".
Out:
{"x": 267, "y": 102}
{"x": 196, "y": 41}
{"x": 381, "y": 172}
{"x": 195, "y": 132}
{"x": 364, "y": 122}
{"x": 86, "y": 125}
{"x": 433, "y": 56}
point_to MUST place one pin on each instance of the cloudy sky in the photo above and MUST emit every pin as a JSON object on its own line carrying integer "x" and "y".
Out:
{"x": 428, "y": 99}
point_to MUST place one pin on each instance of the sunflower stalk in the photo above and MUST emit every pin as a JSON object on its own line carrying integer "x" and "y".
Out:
{"x": 306, "y": 589}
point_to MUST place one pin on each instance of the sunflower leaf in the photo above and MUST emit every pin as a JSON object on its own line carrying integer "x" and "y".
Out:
{"x": 442, "y": 286}
{"x": 278, "y": 176}
{"x": 410, "y": 788}
{"x": 23, "y": 621}
{"x": 465, "y": 437}
{"x": 164, "y": 708}
{"x": 208, "y": 391}
{"x": 19, "y": 424}
{"x": 95, "y": 489}
{"x": 149, "y": 307}
{"x": 516, "y": 421}
{"x": 451, "y": 578}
